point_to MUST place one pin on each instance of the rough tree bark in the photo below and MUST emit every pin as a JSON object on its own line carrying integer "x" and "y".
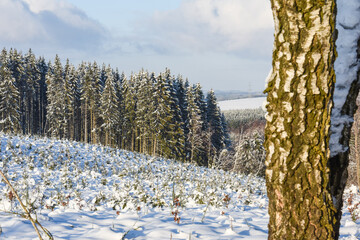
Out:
{"x": 300, "y": 89}
{"x": 306, "y": 174}
{"x": 356, "y": 148}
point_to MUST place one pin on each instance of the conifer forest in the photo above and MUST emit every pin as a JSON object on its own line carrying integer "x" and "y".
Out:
{"x": 156, "y": 114}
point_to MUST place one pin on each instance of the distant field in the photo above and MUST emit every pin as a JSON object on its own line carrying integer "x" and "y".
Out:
{"x": 231, "y": 95}
{"x": 244, "y": 103}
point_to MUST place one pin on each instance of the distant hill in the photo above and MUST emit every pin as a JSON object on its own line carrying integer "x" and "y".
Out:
{"x": 243, "y": 103}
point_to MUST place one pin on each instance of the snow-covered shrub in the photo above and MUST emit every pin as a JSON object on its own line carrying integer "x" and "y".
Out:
{"x": 61, "y": 174}
{"x": 249, "y": 155}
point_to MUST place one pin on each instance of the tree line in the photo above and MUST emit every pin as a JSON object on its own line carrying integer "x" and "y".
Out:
{"x": 157, "y": 114}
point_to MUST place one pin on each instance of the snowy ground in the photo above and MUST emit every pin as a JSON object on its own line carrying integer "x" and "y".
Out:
{"x": 80, "y": 191}
{"x": 243, "y": 103}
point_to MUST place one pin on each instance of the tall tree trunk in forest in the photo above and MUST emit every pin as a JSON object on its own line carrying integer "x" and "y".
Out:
{"x": 300, "y": 89}
{"x": 85, "y": 122}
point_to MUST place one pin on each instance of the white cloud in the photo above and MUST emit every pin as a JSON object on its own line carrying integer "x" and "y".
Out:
{"x": 17, "y": 23}
{"x": 55, "y": 24}
{"x": 219, "y": 25}
{"x": 64, "y": 11}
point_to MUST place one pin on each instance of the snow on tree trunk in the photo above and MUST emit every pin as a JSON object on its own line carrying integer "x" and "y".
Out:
{"x": 347, "y": 69}
{"x": 299, "y": 90}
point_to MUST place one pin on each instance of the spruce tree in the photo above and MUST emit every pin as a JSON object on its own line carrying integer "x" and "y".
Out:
{"x": 130, "y": 104}
{"x": 70, "y": 94}
{"x": 90, "y": 95}
{"x": 181, "y": 89}
{"x": 195, "y": 137}
{"x": 16, "y": 67}
{"x": 9, "y": 97}
{"x": 95, "y": 122}
{"x": 119, "y": 82}
{"x": 30, "y": 83}
{"x": 144, "y": 109}
{"x": 176, "y": 127}
{"x": 215, "y": 127}
{"x": 56, "y": 126}
{"x": 201, "y": 103}
{"x": 225, "y": 130}
{"x": 109, "y": 108}
{"x": 42, "y": 66}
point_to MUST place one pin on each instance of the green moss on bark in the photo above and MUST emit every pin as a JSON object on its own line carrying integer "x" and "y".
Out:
{"x": 299, "y": 92}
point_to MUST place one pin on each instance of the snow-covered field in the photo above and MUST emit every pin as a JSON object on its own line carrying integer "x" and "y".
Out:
{"x": 80, "y": 191}
{"x": 243, "y": 103}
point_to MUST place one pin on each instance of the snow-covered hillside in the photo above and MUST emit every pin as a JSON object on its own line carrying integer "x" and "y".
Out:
{"x": 80, "y": 191}
{"x": 243, "y": 103}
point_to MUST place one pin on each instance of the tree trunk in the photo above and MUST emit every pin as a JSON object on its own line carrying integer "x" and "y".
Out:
{"x": 299, "y": 90}
{"x": 356, "y": 146}
{"x": 343, "y": 112}
{"x": 85, "y": 122}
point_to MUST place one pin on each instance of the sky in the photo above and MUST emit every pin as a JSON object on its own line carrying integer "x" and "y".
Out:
{"x": 222, "y": 44}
